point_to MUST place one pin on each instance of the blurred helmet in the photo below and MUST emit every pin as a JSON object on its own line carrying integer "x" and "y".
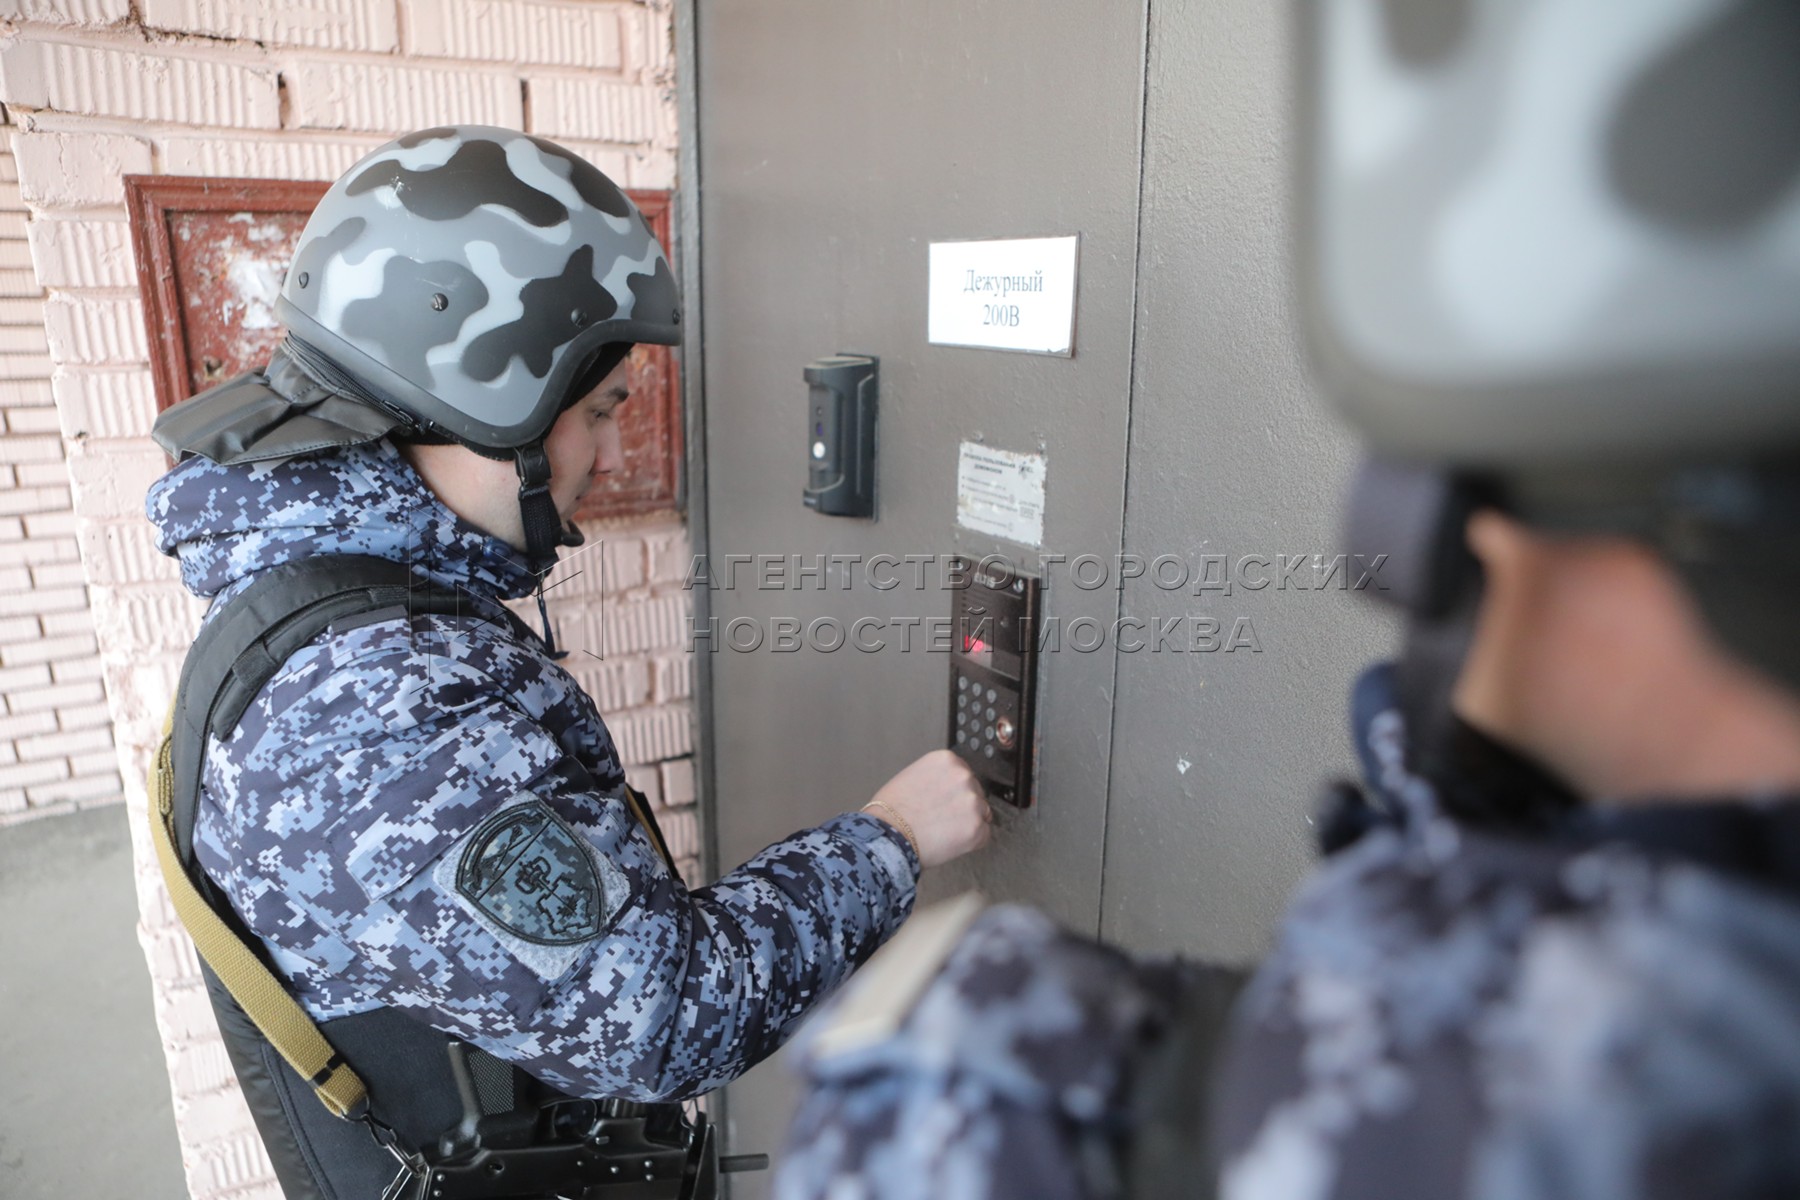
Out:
{"x": 475, "y": 282}
{"x": 1554, "y": 231}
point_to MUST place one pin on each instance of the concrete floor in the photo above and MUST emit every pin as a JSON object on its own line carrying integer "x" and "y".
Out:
{"x": 87, "y": 1113}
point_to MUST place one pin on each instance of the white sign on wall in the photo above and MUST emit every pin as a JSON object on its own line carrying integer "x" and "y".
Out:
{"x": 1000, "y": 492}
{"x": 1012, "y": 294}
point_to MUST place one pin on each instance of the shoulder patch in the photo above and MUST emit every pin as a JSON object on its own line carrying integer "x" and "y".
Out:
{"x": 525, "y": 870}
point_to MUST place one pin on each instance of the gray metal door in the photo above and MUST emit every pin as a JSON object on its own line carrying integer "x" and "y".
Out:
{"x": 834, "y": 143}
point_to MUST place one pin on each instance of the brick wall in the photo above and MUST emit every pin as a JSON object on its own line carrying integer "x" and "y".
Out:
{"x": 56, "y": 741}
{"x": 96, "y": 89}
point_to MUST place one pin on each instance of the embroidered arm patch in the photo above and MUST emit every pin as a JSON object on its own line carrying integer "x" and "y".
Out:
{"x": 537, "y": 884}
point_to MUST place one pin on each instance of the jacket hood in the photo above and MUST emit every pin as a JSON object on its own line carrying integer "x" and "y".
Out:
{"x": 226, "y": 523}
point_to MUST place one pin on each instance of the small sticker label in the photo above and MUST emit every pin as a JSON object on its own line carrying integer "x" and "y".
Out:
{"x": 1000, "y": 492}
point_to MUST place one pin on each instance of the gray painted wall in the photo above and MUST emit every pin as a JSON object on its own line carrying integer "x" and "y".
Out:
{"x": 1232, "y": 454}
{"x": 834, "y": 142}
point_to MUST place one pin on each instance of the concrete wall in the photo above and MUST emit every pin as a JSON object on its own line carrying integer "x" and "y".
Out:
{"x": 96, "y": 89}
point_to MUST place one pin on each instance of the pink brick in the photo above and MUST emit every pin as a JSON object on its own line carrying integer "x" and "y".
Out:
{"x": 94, "y": 330}
{"x": 681, "y": 829}
{"x": 641, "y": 626}
{"x": 30, "y": 449}
{"x": 16, "y": 284}
{"x": 68, "y": 170}
{"x": 14, "y": 579}
{"x": 9, "y": 171}
{"x": 678, "y": 782}
{"x": 234, "y": 1167}
{"x": 73, "y": 12}
{"x": 57, "y": 696}
{"x": 27, "y": 501}
{"x": 25, "y": 393}
{"x": 39, "y": 551}
{"x": 83, "y": 253}
{"x": 70, "y": 670}
{"x": 20, "y": 678}
{"x": 590, "y": 108}
{"x": 15, "y": 254}
{"x": 102, "y": 403}
{"x": 64, "y": 622}
{"x": 651, "y": 735}
{"x": 62, "y": 745}
{"x": 648, "y": 35}
{"x": 100, "y": 762}
{"x": 690, "y": 871}
{"x": 355, "y": 95}
{"x": 674, "y": 678}
{"x": 644, "y": 778}
{"x": 13, "y": 225}
{"x": 26, "y": 724}
{"x": 614, "y": 686}
{"x": 44, "y": 474}
{"x": 25, "y": 366}
{"x": 112, "y": 485}
{"x": 327, "y": 24}
{"x": 44, "y": 650}
{"x": 100, "y": 81}
{"x": 12, "y": 800}
{"x": 583, "y": 35}
{"x": 262, "y": 158}
{"x": 652, "y": 170}
{"x": 670, "y": 556}
{"x": 56, "y": 520}
{"x": 147, "y": 618}
{"x": 80, "y": 716}
{"x": 21, "y": 310}
{"x": 29, "y": 775}
{"x": 13, "y": 631}
{"x": 124, "y": 554}
{"x": 33, "y": 420}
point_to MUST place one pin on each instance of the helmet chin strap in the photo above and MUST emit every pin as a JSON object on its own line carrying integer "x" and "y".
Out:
{"x": 544, "y": 530}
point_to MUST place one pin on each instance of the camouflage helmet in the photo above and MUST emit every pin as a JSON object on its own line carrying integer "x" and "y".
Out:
{"x": 1554, "y": 231}
{"x": 474, "y": 281}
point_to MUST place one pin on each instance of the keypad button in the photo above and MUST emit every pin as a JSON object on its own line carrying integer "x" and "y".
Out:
{"x": 990, "y": 714}
{"x": 990, "y": 752}
{"x": 992, "y": 695}
{"x": 961, "y": 736}
{"x": 962, "y": 683}
{"x": 962, "y": 702}
{"x": 962, "y": 719}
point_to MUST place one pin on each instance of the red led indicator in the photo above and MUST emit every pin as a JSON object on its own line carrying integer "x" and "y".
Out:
{"x": 974, "y": 645}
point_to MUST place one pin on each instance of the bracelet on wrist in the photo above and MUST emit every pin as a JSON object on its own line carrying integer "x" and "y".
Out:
{"x": 898, "y": 822}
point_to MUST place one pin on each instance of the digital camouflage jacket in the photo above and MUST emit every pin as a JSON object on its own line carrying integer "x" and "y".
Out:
{"x": 429, "y": 815}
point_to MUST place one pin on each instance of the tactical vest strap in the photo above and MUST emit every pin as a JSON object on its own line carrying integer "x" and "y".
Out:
{"x": 236, "y": 654}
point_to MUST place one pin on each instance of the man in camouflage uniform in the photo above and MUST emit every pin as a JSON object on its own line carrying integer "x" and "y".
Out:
{"x": 1554, "y": 948}
{"x": 459, "y": 311}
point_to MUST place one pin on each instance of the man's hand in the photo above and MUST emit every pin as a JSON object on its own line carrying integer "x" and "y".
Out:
{"x": 939, "y": 803}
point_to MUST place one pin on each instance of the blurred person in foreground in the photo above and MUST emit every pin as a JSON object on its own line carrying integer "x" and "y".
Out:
{"x": 1551, "y": 272}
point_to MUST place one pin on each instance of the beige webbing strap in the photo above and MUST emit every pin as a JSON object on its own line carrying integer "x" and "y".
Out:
{"x": 636, "y": 800}
{"x": 252, "y": 985}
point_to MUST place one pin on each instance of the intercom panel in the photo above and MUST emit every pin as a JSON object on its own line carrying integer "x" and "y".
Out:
{"x": 993, "y": 676}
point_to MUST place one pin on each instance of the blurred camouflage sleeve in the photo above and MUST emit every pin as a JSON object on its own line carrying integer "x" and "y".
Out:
{"x": 1011, "y": 1075}
{"x": 415, "y": 839}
